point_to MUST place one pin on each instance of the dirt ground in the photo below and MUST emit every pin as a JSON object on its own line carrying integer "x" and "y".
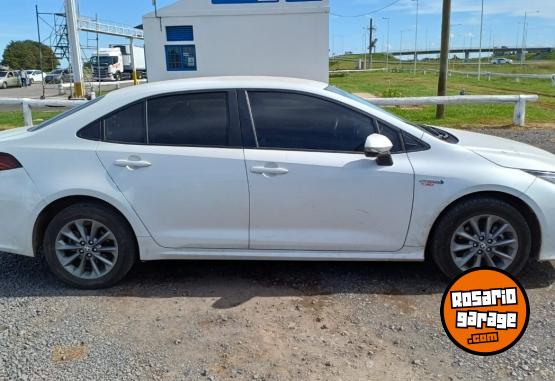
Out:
{"x": 256, "y": 321}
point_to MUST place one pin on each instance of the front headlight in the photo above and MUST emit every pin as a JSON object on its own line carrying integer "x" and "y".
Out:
{"x": 547, "y": 176}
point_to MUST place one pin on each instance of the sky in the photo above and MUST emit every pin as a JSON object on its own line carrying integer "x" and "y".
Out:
{"x": 349, "y": 19}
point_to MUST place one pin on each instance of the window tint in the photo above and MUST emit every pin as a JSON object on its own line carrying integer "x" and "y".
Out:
{"x": 91, "y": 132}
{"x": 126, "y": 126}
{"x": 189, "y": 119}
{"x": 393, "y": 135}
{"x": 412, "y": 144}
{"x": 296, "y": 121}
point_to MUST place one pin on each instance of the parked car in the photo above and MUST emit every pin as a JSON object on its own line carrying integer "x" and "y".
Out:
{"x": 9, "y": 78}
{"x": 59, "y": 76}
{"x": 34, "y": 76}
{"x": 266, "y": 169}
{"x": 502, "y": 61}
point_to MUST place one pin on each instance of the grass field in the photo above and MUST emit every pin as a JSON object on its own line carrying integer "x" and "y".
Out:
{"x": 543, "y": 63}
{"x": 11, "y": 119}
{"x": 407, "y": 85}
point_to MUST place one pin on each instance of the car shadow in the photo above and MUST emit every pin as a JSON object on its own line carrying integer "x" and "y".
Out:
{"x": 233, "y": 283}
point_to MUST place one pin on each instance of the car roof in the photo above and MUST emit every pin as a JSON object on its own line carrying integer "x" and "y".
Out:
{"x": 209, "y": 83}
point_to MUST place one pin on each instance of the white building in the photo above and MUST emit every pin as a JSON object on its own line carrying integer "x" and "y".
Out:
{"x": 194, "y": 38}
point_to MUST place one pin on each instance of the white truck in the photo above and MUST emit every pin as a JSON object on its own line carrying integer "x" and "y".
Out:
{"x": 116, "y": 63}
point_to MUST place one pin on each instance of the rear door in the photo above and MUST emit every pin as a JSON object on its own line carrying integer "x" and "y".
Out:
{"x": 179, "y": 161}
{"x": 311, "y": 186}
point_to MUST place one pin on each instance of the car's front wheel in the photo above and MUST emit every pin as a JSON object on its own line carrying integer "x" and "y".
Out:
{"x": 481, "y": 232}
{"x": 89, "y": 246}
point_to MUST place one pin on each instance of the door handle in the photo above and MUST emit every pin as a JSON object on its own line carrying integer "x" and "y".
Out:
{"x": 269, "y": 171}
{"x": 132, "y": 164}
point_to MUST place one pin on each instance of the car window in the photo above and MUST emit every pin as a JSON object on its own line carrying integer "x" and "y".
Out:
{"x": 93, "y": 131}
{"x": 296, "y": 121}
{"x": 126, "y": 125}
{"x": 393, "y": 135}
{"x": 200, "y": 119}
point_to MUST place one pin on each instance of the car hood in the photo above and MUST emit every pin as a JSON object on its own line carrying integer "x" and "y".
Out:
{"x": 505, "y": 152}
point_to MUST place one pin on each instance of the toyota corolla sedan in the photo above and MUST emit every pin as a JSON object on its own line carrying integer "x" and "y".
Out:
{"x": 254, "y": 168}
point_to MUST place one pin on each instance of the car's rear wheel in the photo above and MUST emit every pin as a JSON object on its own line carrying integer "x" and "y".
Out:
{"x": 89, "y": 246}
{"x": 481, "y": 232}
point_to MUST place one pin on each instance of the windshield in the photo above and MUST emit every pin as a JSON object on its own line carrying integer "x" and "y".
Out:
{"x": 57, "y": 71}
{"x": 3, "y": 73}
{"x": 103, "y": 60}
{"x": 434, "y": 131}
{"x": 64, "y": 115}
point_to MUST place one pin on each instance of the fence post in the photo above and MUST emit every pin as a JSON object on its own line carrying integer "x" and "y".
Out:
{"x": 519, "y": 118}
{"x": 27, "y": 113}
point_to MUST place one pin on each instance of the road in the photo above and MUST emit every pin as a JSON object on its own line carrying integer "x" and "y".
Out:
{"x": 258, "y": 321}
{"x": 51, "y": 91}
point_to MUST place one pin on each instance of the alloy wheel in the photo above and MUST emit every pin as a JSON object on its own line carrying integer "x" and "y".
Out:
{"x": 86, "y": 249}
{"x": 484, "y": 240}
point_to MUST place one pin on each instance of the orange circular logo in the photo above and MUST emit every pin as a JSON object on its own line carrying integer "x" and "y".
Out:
{"x": 485, "y": 311}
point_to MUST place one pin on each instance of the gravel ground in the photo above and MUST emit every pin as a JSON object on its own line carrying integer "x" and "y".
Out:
{"x": 258, "y": 321}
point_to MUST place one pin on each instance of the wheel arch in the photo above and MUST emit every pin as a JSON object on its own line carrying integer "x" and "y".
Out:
{"x": 521, "y": 205}
{"x": 53, "y": 208}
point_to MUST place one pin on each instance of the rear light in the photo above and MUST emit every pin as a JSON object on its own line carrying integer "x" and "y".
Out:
{"x": 8, "y": 162}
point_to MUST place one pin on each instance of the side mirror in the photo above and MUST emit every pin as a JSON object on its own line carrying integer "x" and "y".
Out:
{"x": 379, "y": 146}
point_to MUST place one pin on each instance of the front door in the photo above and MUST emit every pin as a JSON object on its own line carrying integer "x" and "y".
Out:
{"x": 311, "y": 186}
{"x": 182, "y": 168}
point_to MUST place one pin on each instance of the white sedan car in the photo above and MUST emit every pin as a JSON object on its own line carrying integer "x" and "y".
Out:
{"x": 261, "y": 168}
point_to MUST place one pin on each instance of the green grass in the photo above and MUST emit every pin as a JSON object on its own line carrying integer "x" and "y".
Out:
{"x": 407, "y": 85}
{"x": 11, "y": 119}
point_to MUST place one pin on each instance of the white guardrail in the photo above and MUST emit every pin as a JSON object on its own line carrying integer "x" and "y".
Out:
{"x": 519, "y": 116}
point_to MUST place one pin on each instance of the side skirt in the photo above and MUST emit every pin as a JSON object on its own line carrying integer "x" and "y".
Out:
{"x": 152, "y": 252}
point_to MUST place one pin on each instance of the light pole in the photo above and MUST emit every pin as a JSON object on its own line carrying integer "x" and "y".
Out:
{"x": 387, "y": 48}
{"x": 450, "y": 46}
{"x": 480, "y": 49}
{"x": 524, "y": 31}
{"x": 401, "y": 48}
{"x": 416, "y": 38}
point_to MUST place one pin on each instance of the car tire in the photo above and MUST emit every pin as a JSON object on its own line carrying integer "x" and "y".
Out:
{"x": 449, "y": 249}
{"x": 31, "y": 82}
{"x": 89, "y": 269}
{"x": 4, "y": 85}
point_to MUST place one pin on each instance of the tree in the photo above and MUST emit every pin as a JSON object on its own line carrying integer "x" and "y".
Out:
{"x": 25, "y": 54}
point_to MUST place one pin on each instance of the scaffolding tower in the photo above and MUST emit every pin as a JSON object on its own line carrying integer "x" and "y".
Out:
{"x": 59, "y": 40}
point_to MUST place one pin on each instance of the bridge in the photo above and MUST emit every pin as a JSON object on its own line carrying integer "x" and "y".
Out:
{"x": 467, "y": 51}
{"x": 88, "y": 24}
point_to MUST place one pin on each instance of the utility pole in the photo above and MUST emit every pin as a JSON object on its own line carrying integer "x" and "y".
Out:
{"x": 387, "y": 48}
{"x": 480, "y": 50}
{"x": 444, "y": 56}
{"x": 43, "y": 96}
{"x": 74, "y": 47}
{"x": 522, "y": 53}
{"x": 371, "y": 30}
{"x": 416, "y": 39}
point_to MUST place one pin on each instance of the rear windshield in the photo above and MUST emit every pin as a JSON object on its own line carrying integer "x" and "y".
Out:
{"x": 64, "y": 115}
